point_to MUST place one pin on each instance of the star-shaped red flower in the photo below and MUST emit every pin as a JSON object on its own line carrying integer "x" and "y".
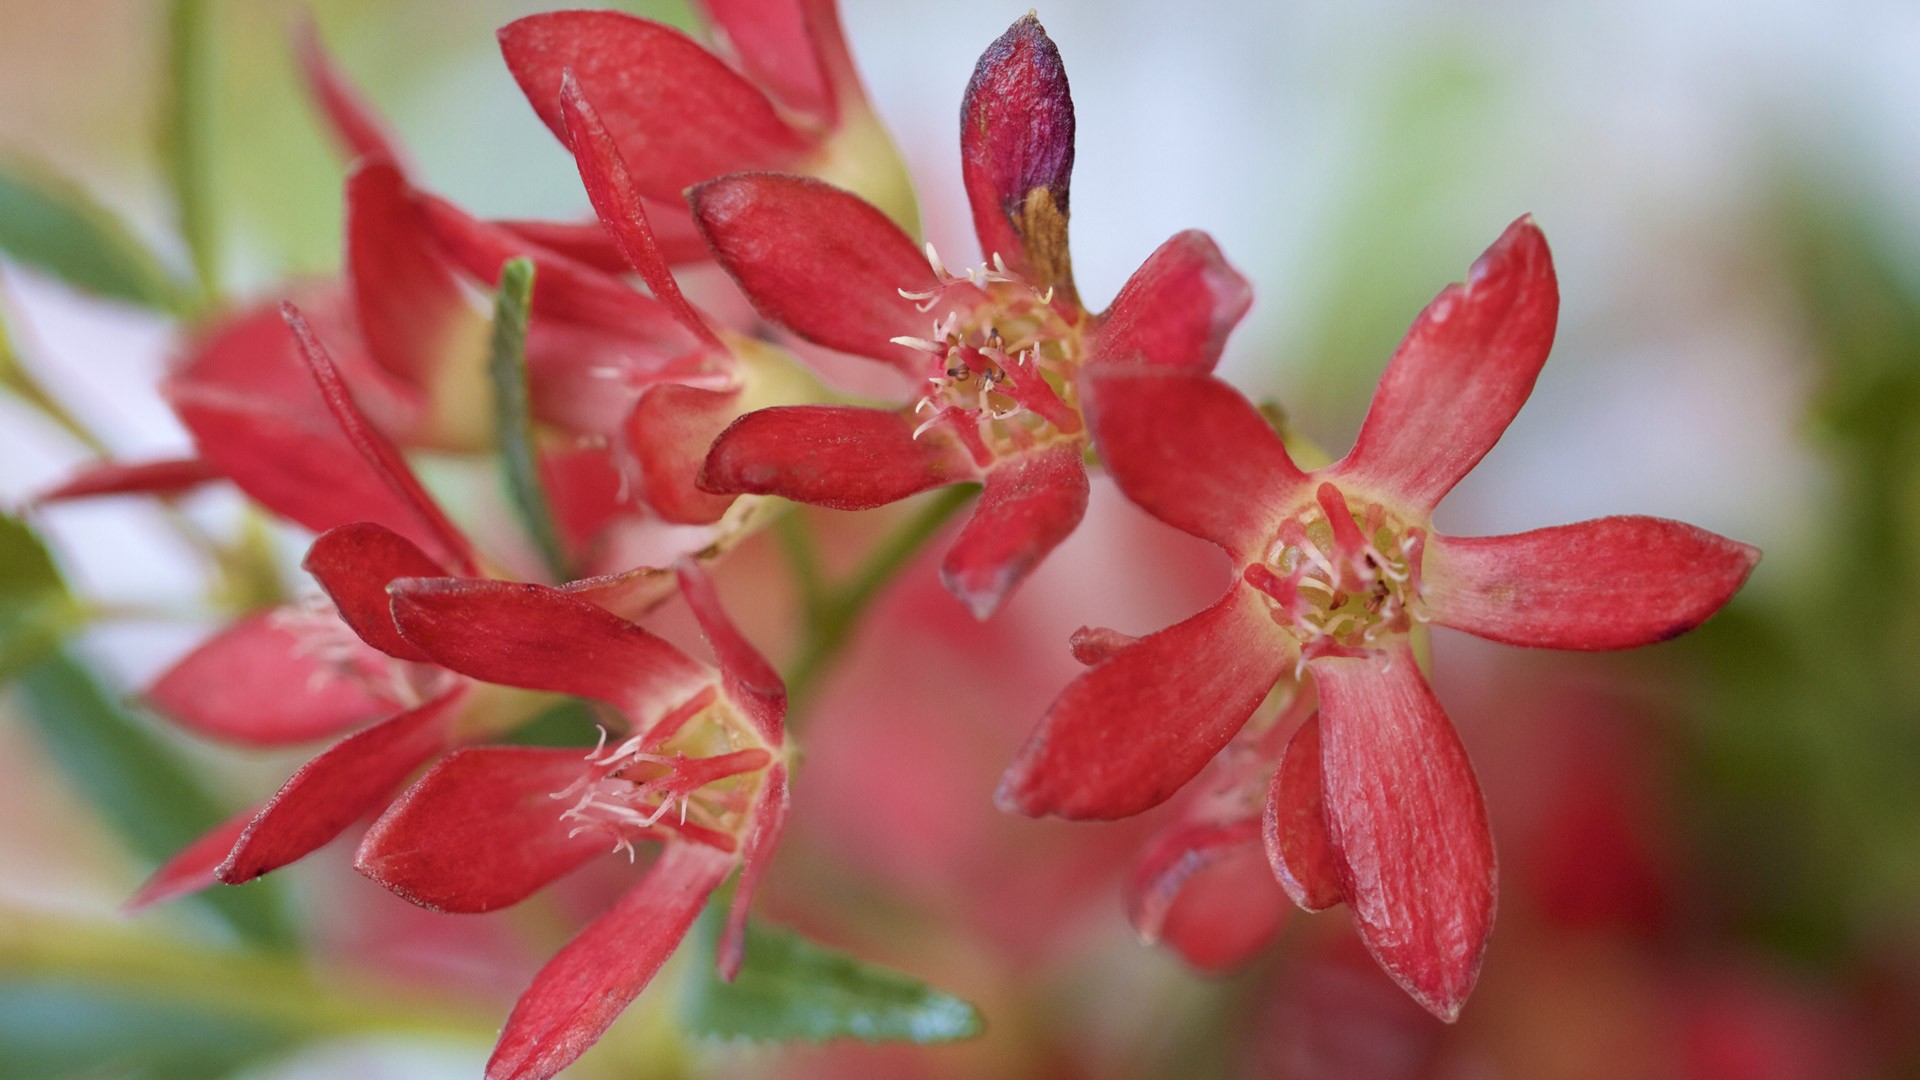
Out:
{"x": 1373, "y": 802}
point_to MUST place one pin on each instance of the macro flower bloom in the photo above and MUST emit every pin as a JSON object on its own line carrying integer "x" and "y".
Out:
{"x": 1373, "y": 802}
{"x": 997, "y": 349}
{"x": 702, "y": 769}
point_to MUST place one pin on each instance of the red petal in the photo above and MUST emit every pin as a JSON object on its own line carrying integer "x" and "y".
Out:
{"x": 563, "y": 289}
{"x": 1408, "y": 828}
{"x": 145, "y": 478}
{"x": 354, "y": 563}
{"x": 1192, "y": 452}
{"x": 257, "y": 683}
{"x": 769, "y": 822}
{"x": 819, "y": 261}
{"x": 629, "y": 594}
{"x": 669, "y": 433}
{"x": 837, "y": 456}
{"x": 775, "y": 48}
{"x": 678, "y": 114}
{"x": 1016, "y": 153}
{"x": 415, "y": 317}
{"x": 193, "y": 867}
{"x": 1031, "y": 503}
{"x": 377, "y": 453}
{"x": 356, "y": 128}
{"x": 1127, "y": 734}
{"x": 610, "y": 187}
{"x": 540, "y": 638}
{"x": 1177, "y": 309}
{"x": 1206, "y": 892}
{"x": 1610, "y": 583}
{"x": 1294, "y": 827}
{"x": 587, "y": 242}
{"x": 582, "y": 989}
{"x": 750, "y": 681}
{"x": 481, "y": 830}
{"x": 587, "y": 490}
{"x": 348, "y": 780}
{"x": 1461, "y": 374}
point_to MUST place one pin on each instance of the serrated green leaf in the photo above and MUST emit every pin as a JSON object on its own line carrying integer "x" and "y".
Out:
{"x": 140, "y": 785}
{"x": 58, "y": 1029}
{"x": 49, "y": 221}
{"x": 187, "y": 133}
{"x": 513, "y": 411}
{"x": 34, "y": 606}
{"x": 792, "y": 988}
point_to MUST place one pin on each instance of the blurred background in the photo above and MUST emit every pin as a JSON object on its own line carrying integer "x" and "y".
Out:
{"x": 1710, "y": 849}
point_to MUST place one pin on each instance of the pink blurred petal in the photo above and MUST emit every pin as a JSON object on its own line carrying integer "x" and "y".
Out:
{"x": 769, "y": 822}
{"x": 1190, "y": 889}
{"x": 348, "y": 780}
{"x": 677, "y": 113}
{"x": 481, "y": 830}
{"x": 775, "y": 46}
{"x": 1127, "y": 734}
{"x": 820, "y": 261}
{"x": 357, "y": 130}
{"x": 669, "y": 432}
{"x": 837, "y": 456}
{"x": 354, "y": 563}
{"x": 258, "y": 683}
{"x": 144, "y": 478}
{"x": 194, "y": 867}
{"x": 1177, "y": 309}
{"x": 587, "y": 242}
{"x": 750, "y": 681}
{"x": 1408, "y": 828}
{"x": 542, "y": 638}
{"x": 1031, "y": 503}
{"x": 1016, "y": 154}
{"x": 577, "y": 995}
{"x": 1294, "y": 826}
{"x": 1610, "y": 583}
{"x": 1191, "y": 451}
{"x": 1461, "y": 374}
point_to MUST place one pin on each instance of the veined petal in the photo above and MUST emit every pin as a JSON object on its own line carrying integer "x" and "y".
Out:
{"x": 413, "y": 314}
{"x": 1127, "y": 734}
{"x": 678, "y": 114}
{"x": 1461, "y": 374}
{"x": 1204, "y": 890}
{"x": 1192, "y": 452}
{"x": 1177, "y": 309}
{"x": 169, "y": 477}
{"x": 750, "y": 681}
{"x": 1016, "y": 154}
{"x": 193, "y": 867}
{"x": 356, "y": 128}
{"x": 669, "y": 432}
{"x": 1031, "y": 503}
{"x": 354, "y": 563}
{"x": 769, "y": 822}
{"x": 541, "y": 638}
{"x": 1294, "y": 826}
{"x": 348, "y": 780}
{"x": 776, "y": 49}
{"x": 822, "y": 262}
{"x": 1409, "y": 831}
{"x": 377, "y": 453}
{"x": 837, "y": 456}
{"x": 610, "y": 187}
{"x": 587, "y": 242}
{"x": 577, "y": 995}
{"x": 260, "y": 683}
{"x": 481, "y": 830}
{"x": 1610, "y": 583}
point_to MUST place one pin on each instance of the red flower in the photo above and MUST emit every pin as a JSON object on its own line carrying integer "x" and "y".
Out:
{"x": 703, "y": 770}
{"x": 1374, "y": 802}
{"x": 1006, "y": 341}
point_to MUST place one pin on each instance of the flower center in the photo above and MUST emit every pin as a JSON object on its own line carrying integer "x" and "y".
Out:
{"x": 999, "y": 364}
{"x": 1339, "y": 580}
{"x": 695, "y": 774}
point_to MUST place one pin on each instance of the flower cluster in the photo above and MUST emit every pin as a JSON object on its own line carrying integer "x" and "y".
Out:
{"x": 666, "y": 435}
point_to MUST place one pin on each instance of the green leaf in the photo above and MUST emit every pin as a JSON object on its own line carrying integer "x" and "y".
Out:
{"x": 140, "y": 785}
{"x": 187, "y": 133}
{"x": 513, "y": 411}
{"x": 570, "y": 723}
{"x": 51, "y": 1029}
{"x": 50, "y": 222}
{"x": 792, "y": 988}
{"x": 34, "y": 606}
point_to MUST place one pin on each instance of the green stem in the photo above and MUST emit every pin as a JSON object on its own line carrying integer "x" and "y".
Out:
{"x": 835, "y": 610}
